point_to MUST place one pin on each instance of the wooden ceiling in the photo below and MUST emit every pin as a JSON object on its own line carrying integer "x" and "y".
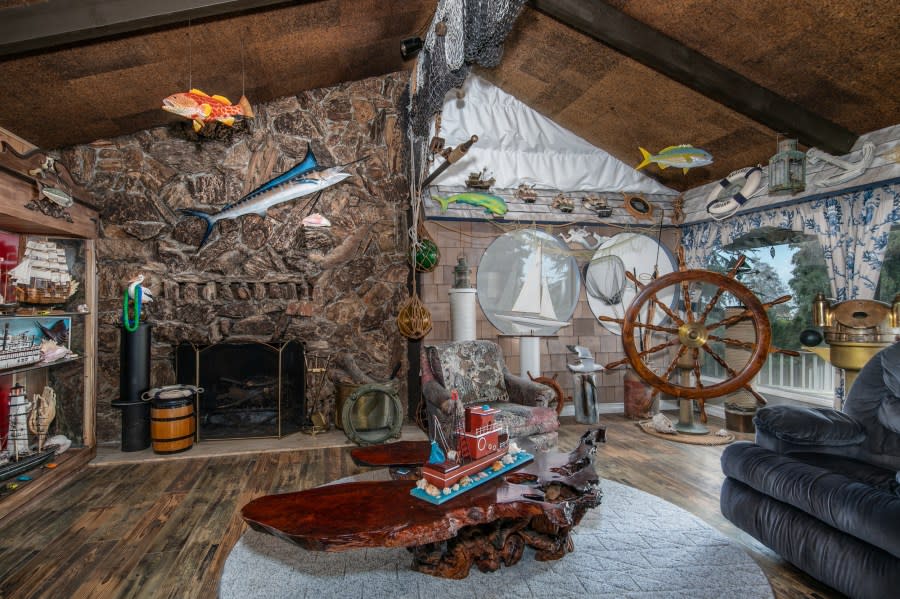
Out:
{"x": 832, "y": 60}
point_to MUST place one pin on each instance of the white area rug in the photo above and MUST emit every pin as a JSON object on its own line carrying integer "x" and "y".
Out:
{"x": 634, "y": 546}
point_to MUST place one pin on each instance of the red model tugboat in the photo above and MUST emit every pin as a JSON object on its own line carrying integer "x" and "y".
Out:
{"x": 482, "y": 452}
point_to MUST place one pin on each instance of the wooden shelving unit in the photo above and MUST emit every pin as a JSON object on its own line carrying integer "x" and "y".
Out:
{"x": 19, "y": 193}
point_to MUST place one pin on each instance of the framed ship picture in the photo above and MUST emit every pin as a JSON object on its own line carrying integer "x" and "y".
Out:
{"x": 21, "y": 337}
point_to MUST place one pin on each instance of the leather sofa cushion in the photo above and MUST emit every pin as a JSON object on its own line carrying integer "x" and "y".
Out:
{"x": 809, "y": 426}
{"x": 853, "y": 497}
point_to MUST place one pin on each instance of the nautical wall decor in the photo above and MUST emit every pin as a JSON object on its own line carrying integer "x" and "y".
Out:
{"x": 638, "y": 207}
{"x": 492, "y": 204}
{"x": 303, "y": 179}
{"x": 201, "y": 108}
{"x": 684, "y": 156}
{"x": 846, "y": 170}
{"x": 42, "y": 275}
{"x": 733, "y": 192}
{"x": 787, "y": 169}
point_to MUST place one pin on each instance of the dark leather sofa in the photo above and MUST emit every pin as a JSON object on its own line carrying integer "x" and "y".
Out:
{"x": 821, "y": 487}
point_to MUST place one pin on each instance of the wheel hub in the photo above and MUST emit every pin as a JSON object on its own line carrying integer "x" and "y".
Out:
{"x": 693, "y": 334}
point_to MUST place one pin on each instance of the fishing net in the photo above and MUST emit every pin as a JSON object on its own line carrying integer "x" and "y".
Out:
{"x": 604, "y": 279}
{"x": 475, "y": 30}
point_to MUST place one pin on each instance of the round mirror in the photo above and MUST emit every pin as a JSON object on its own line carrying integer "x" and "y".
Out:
{"x": 609, "y": 292}
{"x": 528, "y": 283}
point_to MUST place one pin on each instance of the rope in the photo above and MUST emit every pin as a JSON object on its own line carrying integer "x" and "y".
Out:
{"x": 132, "y": 326}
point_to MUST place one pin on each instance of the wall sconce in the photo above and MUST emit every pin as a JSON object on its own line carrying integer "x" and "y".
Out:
{"x": 787, "y": 169}
{"x": 410, "y": 47}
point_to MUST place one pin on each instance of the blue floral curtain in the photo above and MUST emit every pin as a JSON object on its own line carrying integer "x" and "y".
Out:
{"x": 853, "y": 229}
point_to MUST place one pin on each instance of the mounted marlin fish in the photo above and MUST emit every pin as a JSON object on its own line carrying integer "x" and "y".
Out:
{"x": 303, "y": 179}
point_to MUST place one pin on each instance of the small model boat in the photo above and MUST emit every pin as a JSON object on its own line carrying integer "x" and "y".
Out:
{"x": 18, "y": 349}
{"x": 482, "y": 453}
{"x": 42, "y": 277}
{"x": 526, "y": 193}
{"x": 476, "y": 180}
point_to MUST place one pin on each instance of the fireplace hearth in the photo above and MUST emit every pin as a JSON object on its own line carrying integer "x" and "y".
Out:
{"x": 251, "y": 390}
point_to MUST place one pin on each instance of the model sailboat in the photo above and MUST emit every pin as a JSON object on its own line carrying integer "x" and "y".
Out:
{"x": 42, "y": 277}
{"x": 533, "y": 308}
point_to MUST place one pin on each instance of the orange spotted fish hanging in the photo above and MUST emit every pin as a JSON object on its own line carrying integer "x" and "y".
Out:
{"x": 201, "y": 108}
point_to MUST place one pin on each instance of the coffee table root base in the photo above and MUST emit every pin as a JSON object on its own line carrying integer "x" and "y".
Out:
{"x": 488, "y": 547}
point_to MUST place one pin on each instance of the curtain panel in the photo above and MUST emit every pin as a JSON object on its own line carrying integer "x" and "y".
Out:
{"x": 852, "y": 227}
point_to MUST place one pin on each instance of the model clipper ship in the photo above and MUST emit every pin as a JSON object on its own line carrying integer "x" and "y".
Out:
{"x": 42, "y": 277}
{"x": 482, "y": 452}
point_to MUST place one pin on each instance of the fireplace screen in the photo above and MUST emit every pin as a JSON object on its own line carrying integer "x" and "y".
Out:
{"x": 250, "y": 389}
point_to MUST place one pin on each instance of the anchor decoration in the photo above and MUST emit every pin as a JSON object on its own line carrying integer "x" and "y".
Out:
{"x": 846, "y": 170}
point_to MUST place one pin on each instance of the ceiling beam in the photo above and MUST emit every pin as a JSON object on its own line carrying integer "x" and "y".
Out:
{"x": 636, "y": 40}
{"x": 44, "y": 25}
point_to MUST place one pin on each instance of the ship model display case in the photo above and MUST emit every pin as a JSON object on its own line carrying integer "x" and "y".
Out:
{"x": 48, "y": 282}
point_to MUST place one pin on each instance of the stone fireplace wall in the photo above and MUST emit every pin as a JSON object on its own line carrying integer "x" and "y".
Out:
{"x": 258, "y": 278}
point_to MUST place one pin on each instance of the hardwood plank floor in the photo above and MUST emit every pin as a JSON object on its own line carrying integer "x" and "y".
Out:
{"x": 164, "y": 529}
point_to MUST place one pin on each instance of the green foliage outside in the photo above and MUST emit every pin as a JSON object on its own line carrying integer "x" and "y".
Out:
{"x": 809, "y": 276}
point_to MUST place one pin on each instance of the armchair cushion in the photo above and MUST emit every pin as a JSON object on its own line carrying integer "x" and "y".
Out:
{"x": 474, "y": 369}
{"x": 809, "y": 426}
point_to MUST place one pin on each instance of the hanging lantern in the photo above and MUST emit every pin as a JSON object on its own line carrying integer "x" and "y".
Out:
{"x": 787, "y": 169}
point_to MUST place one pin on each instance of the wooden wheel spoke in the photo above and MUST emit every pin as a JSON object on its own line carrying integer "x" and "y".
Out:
{"x": 696, "y": 357}
{"x": 656, "y": 327}
{"x": 759, "y": 398}
{"x": 720, "y": 361}
{"x": 616, "y": 364}
{"x": 776, "y": 301}
{"x": 733, "y": 342}
{"x": 637, "y": 284}
{"x": 786, "y": 352}
{"x": 674, "y": 363}
{"x": 686, "y": 298}
{"x": 603, "y": 318}
{"x": 668, "y": 312}
{"x": 727, "y": 322}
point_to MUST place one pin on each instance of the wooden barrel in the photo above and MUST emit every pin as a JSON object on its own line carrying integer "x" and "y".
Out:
{"x": 172, "y": 425}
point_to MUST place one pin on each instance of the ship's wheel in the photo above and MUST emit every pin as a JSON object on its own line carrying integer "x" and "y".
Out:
{"x": 658, "y": 339}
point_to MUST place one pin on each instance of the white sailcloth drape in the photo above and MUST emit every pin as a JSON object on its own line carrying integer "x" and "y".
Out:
{"x": 852, "y": 228}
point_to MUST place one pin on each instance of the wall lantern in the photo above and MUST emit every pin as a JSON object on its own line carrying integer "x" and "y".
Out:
{"x": 787, "y": 169}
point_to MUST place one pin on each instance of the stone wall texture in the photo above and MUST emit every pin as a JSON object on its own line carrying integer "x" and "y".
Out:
{"x": 258, "y": 278}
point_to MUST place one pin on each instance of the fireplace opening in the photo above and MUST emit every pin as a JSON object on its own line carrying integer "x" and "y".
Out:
{"x": 250, "y": 389}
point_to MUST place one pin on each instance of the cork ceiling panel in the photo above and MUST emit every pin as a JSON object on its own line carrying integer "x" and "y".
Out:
{"x": 836, "y": 59}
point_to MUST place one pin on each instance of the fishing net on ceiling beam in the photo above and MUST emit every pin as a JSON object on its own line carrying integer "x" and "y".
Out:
{"x": 462, "y": 33}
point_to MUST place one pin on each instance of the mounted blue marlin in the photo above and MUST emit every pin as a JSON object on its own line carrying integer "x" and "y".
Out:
{"x": 301, "y": 180}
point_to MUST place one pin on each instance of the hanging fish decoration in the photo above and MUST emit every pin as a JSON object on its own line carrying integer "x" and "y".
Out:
{"x": 684, "y": 157}
{"x": 201, "y": 108}
{"x": 488, "y": 201}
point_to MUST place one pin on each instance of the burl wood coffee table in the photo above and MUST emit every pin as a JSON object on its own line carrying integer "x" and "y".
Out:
{"x": 536, "y": 505}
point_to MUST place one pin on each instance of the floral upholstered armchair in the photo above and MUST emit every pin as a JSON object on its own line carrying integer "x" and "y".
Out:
{"x": 478, "y": 373}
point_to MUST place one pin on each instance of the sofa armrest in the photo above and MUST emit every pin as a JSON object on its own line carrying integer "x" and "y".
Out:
{"x": 780, "y": 427}
{"x": 526, "y": 392}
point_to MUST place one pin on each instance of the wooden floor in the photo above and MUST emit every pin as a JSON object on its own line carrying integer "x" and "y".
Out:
{"x": 165, "y": 529}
